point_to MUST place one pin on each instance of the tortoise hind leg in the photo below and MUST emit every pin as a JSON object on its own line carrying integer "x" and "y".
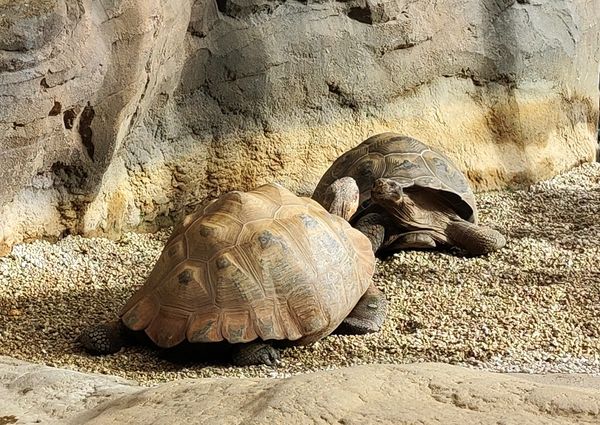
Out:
{"x": 106, "y": 338}
{"x": 367, "y": 316}
{"x": 476, "y": 240}
{"x": 254, "y": 353}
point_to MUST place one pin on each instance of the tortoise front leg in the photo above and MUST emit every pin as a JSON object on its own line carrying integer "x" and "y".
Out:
{"x": 476, "y": 240}
{"x": 373, "y": 226}
{"x": 254, "y": 353}
{"x": 418, "y": 239}
{"x": 368, "y": 315}
{"x": 341, "y": 198}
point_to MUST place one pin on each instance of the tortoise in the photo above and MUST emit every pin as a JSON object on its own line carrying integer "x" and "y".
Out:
{"x": 411, "y": 196}
{"x": 251, "y": 268}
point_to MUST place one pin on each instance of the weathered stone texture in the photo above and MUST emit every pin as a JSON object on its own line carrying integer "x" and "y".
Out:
{"x": 374, "y": 394}
{"x": 116, "y": 114}
{"x": 371, "y": 394}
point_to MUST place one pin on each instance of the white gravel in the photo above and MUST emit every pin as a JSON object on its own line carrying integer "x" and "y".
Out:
{"x": 532, "y": 307}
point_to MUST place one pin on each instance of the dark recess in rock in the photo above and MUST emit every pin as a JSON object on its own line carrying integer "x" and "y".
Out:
{"x": 334, "y": 88}
{"x": 241, "y": 9}
{"x": 360, "y": 14}
{"x": 222, "y": 5}
{"x": 85, "y": 129}
{"x": 71, "y": 177}
{"x": 343, "y": 98}
{"x": 11, "y": 419}
{"x": 56, "y": 108}
{"x": 69, "y": 118}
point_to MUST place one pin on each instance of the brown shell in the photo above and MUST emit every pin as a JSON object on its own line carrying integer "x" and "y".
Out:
{"x": 262, "y": 264}
{"x": 405, "y": 160}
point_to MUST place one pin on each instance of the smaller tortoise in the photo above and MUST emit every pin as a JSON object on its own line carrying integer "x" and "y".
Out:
{"x": 250, "y": 268}
{"x": 411, "y": 196}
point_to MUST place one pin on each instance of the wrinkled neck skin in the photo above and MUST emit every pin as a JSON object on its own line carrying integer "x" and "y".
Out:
{"x": 418, "y": 210}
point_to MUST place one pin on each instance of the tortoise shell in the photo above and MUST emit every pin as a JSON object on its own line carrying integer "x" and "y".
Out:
{"x": 264, "y": 264}
{"x": 406, "y": 160}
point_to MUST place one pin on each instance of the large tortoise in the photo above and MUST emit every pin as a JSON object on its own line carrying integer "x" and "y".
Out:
{"x": 249, "y": 268}
{"x": 411, "y": 196}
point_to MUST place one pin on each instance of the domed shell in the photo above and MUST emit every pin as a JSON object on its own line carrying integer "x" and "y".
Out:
{"x": 405, "y": 160}
{"x": 264, "y": 264}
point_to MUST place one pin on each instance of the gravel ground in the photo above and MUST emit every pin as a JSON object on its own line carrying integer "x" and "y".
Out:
{"x": 532, "y": 307}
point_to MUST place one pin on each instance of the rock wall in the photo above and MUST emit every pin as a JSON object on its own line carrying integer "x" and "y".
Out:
{"x": 120, "y": 114}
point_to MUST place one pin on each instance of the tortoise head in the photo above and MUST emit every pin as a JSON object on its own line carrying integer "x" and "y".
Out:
{"x": 387, "y": 191}
{"x": 390, "y": 195}
{"x": 341, "y": 198}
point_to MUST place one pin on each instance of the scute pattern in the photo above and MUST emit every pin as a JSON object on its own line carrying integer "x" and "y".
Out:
{"x": 261, "y": 264}
{"x": 406, "y": 160}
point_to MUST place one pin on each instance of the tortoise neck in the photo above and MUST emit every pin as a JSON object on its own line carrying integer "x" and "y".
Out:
{"x": 419, "y": 210}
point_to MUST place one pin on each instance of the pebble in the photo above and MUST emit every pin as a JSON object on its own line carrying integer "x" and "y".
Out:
{"x": 531, "y": 307}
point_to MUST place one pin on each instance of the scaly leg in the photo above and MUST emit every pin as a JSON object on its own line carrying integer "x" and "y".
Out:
{"x": 368, "y": 315}
{"x": 476, "y": 240}
{"x": 373, "y": 227}
{"x": 412, "y": 240}
{"x": 106, "y": 338}
{"x": 255, "y": 353}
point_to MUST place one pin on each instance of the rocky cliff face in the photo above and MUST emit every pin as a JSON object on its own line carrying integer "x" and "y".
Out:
{"x": 120, "y": 114}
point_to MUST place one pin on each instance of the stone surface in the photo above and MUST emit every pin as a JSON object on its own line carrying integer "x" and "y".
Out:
{"x": 118, "y": 114}
{"x": 381, "y": 394}
{"x": 427, "y": 393}
{"x": 33, "y": 393}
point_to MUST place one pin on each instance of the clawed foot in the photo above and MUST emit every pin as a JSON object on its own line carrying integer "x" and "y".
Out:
{"x": 106, "y": 338}
{"x": 368, "y": 315}
{"x": 255, "y": 354}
